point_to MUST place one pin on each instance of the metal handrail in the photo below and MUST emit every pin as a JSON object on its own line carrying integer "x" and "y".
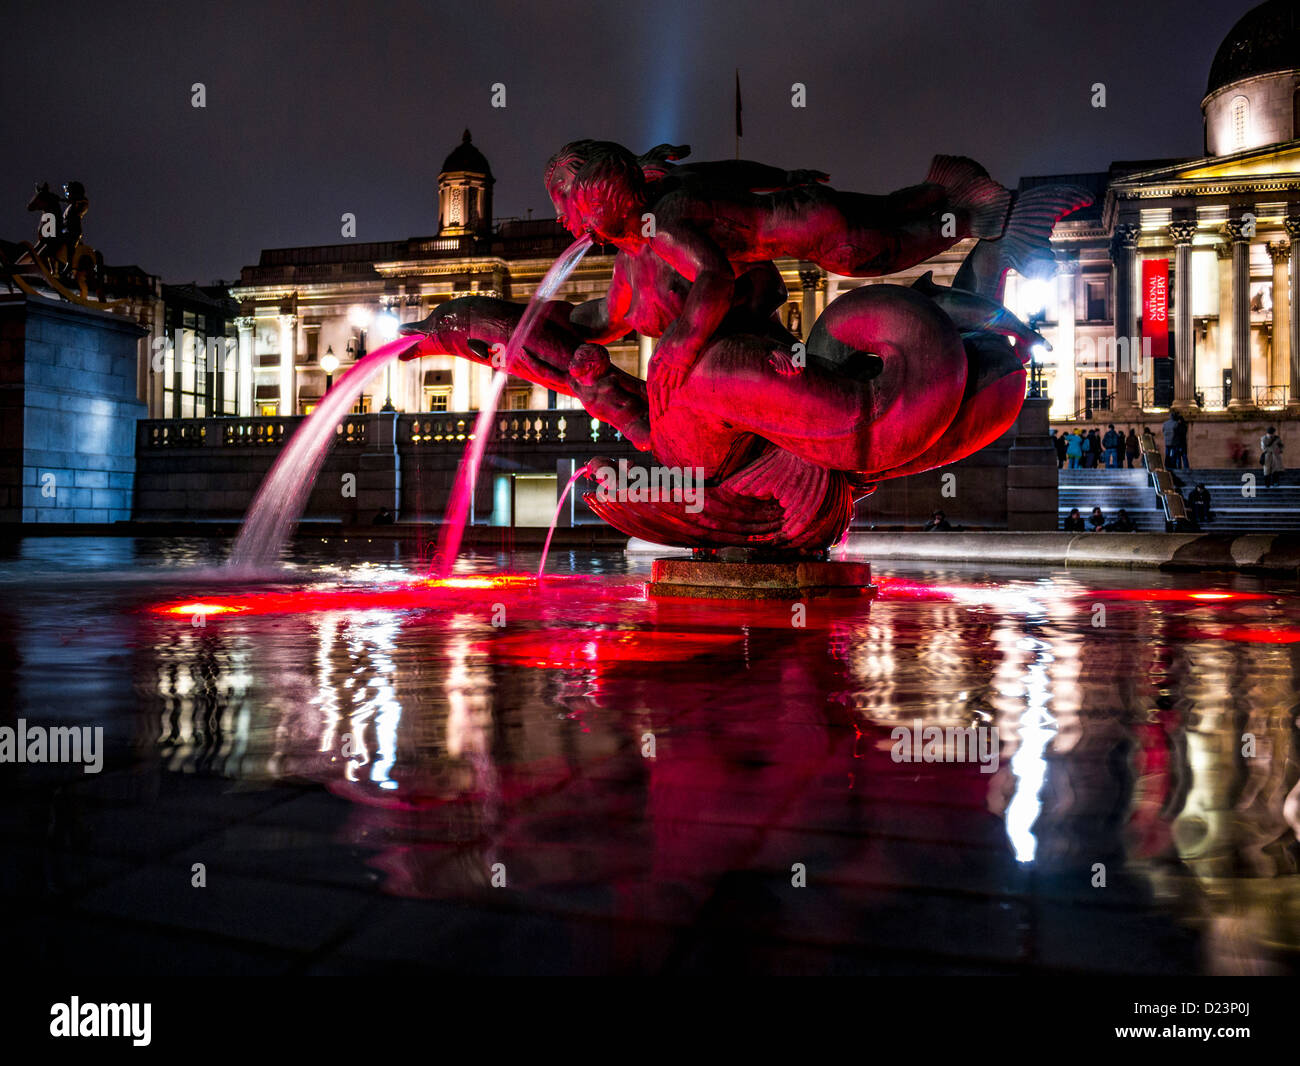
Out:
{"x": 1172, "y": 504}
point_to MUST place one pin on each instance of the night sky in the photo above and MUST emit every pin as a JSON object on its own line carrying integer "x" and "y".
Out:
{"x": 311, "y": 113}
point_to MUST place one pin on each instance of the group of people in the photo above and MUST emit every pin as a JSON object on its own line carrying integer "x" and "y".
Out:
{"x": 1096, "y": 522}
{"x": 1086, "y": 449}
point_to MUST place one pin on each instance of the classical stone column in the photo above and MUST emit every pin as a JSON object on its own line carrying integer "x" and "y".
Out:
{"x": 288, "y": 372}
{"x": 1280, "y": 359}
{"x": 1063, "y": 394}
{"x": 1293, "y": 304}
{"x": 1182, "y": 232}
{"x": 1242, "y": 394}
{"x": 1123, "y": 247}
{"x": 1223, "y": 250}
{"x": 812, "y": 281}
{"x": 244, "y": 323}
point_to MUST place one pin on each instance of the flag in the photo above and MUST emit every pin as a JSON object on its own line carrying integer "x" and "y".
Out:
{"x": 740, "y": 130}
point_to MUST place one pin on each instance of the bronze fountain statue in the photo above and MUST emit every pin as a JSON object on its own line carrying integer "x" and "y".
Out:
{"x": 892, "y": 380}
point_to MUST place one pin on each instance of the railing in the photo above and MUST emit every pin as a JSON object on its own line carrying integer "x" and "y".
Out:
{"x": 1218, "y": 398}
{"x": 428, "y": 430}
{"x": 1086, "y": 412}
{"x": 1172, "y": 505}
{"x": 175, "y": 433}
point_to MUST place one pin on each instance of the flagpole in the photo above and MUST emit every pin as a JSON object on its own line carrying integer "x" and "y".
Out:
{"x": 738, "y": 123}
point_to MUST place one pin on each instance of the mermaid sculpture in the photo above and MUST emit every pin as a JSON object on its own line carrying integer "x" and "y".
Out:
{"x": 892, "y": 380}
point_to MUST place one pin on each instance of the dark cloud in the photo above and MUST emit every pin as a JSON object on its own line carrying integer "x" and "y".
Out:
{"x": 317, "y": 109}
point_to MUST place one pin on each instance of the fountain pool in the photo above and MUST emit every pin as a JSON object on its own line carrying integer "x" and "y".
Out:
{"x": 477, "y": 774}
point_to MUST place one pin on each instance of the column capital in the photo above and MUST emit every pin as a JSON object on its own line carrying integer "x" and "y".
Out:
{"x": 1293, "y": 227}
{"x": 244, "y": 322}
{"x": 1182, "y": 231}
{"x": 1238, "y": 231}
{"x": 286, "y": 318}
{"x": 811, "y": 277}
{"x": 1067, "y": 262}
{"x": 1280, "y": 251}
{"x": 1125, "y": 238}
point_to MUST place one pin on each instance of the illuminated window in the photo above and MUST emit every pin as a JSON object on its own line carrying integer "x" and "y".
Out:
{"x": 362, "y": 406}
{"x": 1240, "y": 117}
{"x": 1096, "y": 394}
{"x": 308, "y": 408}
{"x": 437, "y": 399}
{"x": 268, "y": 410}
{"x": 518, "y": 399}
{"x": 198, "y": 378}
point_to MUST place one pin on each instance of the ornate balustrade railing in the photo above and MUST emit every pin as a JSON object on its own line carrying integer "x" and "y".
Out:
{"x": 427, "y": 430}
{"x": 508, "y": 427}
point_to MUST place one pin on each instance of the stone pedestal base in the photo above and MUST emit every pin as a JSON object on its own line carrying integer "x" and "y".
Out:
{"x": 795, "y": 580}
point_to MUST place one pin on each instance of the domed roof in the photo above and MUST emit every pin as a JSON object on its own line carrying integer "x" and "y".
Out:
{"x": 466, "y": 157}
{"x": 1264, "y": 40}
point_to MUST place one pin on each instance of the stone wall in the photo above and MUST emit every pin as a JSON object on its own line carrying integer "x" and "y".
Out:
{"x": 1010, "y": 484}
{"x": 68, "y": 412}
{"x": 210, "y": 469}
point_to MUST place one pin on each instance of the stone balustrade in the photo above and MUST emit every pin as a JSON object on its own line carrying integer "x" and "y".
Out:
{"x": 432, "y": 430}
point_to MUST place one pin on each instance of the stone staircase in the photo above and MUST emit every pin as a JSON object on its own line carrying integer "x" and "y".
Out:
{"x": 1110, "y": 490}
{"x": 1274, "y": 510}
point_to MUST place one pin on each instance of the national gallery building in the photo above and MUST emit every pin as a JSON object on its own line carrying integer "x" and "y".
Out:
{"x": 1187, "y": 260}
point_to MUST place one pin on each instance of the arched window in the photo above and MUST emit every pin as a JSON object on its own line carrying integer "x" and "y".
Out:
{"x": 1240, "y": 121}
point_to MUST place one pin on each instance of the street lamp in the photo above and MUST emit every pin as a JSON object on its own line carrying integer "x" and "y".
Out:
{"x": 329, "y": 362}
{"x": 387, "y": 324}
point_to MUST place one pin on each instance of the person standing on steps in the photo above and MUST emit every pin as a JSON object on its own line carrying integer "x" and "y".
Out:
{"x": 1132, "y": 448}
{"x": 1180, "y": 443}
{"x": 1169, "y": 430}
{"x": 1110, "y": 444}
{"x": 1270, "y": 457}
{"x": 1074, "y": 449}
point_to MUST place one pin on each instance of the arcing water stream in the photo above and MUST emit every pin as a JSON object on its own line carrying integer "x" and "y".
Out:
{"x": 280, "y": 501}
{"x": 462, "y": 493}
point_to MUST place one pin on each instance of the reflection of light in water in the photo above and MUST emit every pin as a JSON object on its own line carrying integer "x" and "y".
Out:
{"x": 1029, "y": 763}
{"x": 374, "y": 634}
{"x": 327, "y": 699}
{"x": 468, "y": 719}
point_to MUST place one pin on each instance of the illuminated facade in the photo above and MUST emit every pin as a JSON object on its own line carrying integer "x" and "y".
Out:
{"x": 1222, "y": 226}
{"x": 298, "y": 306}
{"x": 1220, "y": 229}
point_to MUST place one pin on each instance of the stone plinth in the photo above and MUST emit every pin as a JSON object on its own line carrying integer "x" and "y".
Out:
{"x": 794, "y": 580}
{"x": 68, "y": 407}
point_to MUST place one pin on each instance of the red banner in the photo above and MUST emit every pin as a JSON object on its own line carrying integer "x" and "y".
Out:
{"x": 1155, "y": 305}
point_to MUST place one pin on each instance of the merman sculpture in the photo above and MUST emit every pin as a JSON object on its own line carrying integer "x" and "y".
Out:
{"x": 892, "y": 380}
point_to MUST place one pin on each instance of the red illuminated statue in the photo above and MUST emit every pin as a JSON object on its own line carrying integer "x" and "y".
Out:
{"x": 892, "y": 380}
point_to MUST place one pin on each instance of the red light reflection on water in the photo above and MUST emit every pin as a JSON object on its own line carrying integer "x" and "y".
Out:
{"x": 564, "y": 649}
{"x": 416, "y": 594}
